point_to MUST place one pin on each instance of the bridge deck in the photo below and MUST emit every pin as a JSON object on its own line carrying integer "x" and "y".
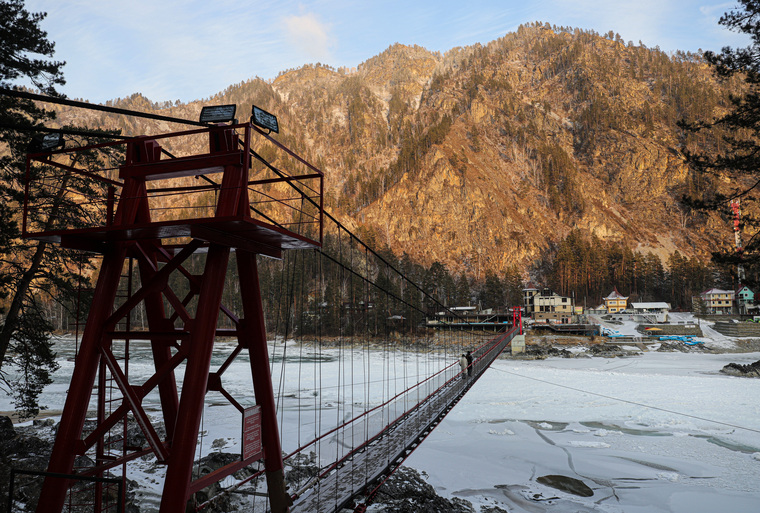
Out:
{"x": 235, "y": 231}
{"x": 364, "y": 467}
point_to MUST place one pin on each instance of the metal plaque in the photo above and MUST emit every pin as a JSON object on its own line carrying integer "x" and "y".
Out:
{"x": 252, "y": 446}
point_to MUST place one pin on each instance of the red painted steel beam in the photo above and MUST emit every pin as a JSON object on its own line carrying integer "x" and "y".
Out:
{"x": 176, "y": 168}
{"x": 82, "y": 381}
{"x": 180, "y": 464}
{"x": 252, "y": 335}
{"x": 141, "y": 391}
{"x": 200, "y": 347}
{"x": 161, "y": 348}
{"x": 135, "y": 404}
{"x": 157, "y": 281}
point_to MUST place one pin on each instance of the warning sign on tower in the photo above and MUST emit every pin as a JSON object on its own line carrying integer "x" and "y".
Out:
{"x": 252, "y": 448}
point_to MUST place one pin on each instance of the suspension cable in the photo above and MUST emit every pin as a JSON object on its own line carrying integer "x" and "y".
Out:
{"x": 64, "y": 131}
{"x": 94, "y": 106}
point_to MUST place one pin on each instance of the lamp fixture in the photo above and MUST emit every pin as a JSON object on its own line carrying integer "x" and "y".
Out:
{"x": 218, "y": 113}
{"x": 264, "y": 119}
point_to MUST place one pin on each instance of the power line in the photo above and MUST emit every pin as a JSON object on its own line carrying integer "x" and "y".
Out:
{"x": 630, "y": 402}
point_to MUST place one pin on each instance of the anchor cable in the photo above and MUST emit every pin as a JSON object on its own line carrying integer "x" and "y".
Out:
{"x": 696, "y": 417}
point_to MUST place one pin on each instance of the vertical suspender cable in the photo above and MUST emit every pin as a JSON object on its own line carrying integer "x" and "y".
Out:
{"x": 317, "y": 392}
{"x": 78, "y": 308}
{"x": 278, "y": 314}
{"x": 317, "y": 383}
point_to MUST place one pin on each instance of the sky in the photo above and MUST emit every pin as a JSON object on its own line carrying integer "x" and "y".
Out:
{"x": 192, "y": 49}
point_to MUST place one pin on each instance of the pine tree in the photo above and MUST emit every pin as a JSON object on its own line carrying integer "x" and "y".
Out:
{"x": 24, "y": 342}
{"x": 738, "y": 158}
{"x": 513, "y": 286}
{"x": 492, "y": 295}
{"x": 34, "y": 272}
{"x": 463, "y": 294}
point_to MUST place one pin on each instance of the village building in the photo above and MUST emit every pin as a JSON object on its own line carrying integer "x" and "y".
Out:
{"x": 615, "y": 302}
{"x": 745, "y": 300}
{"x": 471, "y": 317}
{"x": 547, "y": 306}
{"x": 528, "y": 293}
{"x": 652, "y": 312}
{"x": 717, "y": 301}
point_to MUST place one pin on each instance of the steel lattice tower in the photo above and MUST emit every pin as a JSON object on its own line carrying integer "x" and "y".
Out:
{"x": 134, "y": 228}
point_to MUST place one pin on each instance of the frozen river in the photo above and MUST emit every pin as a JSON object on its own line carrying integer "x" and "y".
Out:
{"x": 659, "y": 432}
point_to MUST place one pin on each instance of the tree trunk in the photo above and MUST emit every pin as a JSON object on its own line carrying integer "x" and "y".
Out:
{"x": 28, "y": 276}
{"x": 18, "y": 299}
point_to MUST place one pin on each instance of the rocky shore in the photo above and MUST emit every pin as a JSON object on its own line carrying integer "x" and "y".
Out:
{"x": 28, "y": 448}
{"x": 405, "y": 491}
{"x": 580, "y": 349}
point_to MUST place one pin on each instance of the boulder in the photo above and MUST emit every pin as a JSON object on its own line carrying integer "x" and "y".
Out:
{"x": 406, "y": 491}
{"x": 749, "y": 371}
{"x": 567, "y": 484}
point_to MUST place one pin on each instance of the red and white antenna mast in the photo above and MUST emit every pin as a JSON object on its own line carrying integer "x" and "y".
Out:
{"x": 736, "y": 209}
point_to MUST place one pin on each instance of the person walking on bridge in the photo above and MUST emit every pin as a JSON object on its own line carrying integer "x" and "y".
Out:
{"x": 463, "y": 365}
{"x": 468, "y": 356}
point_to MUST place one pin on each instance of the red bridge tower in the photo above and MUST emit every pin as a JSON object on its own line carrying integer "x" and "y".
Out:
{"x": 154, "y": 212}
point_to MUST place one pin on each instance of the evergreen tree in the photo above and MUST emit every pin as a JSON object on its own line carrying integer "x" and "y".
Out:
{"x": 439, "y": 284}
{"x": 463, "y": 294}
{"x": 650, "y": 278}
{"x": 492, "y": 295}
{"x": 24, "y": 342}
{"x": 738, "y": 158}
{"x": 34, "y": 272}
{"x": 513, "y": 286}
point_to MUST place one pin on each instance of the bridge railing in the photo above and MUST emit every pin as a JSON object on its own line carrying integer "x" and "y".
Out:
{"x": 77, "y": 190}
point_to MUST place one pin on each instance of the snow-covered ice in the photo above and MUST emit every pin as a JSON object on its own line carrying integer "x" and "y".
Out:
{"x": 655, "y": 433}
{"x": 660, "y": 432}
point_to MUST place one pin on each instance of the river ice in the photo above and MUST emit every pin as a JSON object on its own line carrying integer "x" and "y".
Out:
{"x": 660, "y": 432}
{"x": 655, "y": 433}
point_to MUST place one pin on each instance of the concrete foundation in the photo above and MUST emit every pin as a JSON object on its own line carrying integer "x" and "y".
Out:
{"x": 518, "y": 344}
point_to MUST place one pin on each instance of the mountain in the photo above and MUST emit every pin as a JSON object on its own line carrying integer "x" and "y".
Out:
{"x": 487, "y": 156}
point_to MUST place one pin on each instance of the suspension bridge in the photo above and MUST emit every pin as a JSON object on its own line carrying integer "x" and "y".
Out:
{"x": 227, "y": 247}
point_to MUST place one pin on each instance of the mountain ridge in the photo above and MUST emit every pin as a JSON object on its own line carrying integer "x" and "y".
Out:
{"x": 487, "y": 156}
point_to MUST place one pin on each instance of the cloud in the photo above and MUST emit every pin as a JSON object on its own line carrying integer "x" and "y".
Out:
{"x": 189, "y": 49}
{"x": 714, "y": 12}
{"x": 309, "y": 35}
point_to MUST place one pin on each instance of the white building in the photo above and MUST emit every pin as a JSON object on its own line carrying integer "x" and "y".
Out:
{"x": 650, "y": 312}
{"x": 547, "y": 306}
